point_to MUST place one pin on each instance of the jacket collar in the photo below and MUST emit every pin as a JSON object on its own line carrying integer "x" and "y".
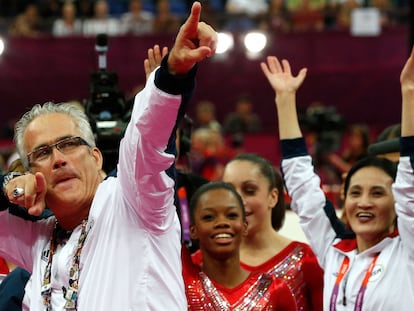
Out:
{"x": 348, "y": 245}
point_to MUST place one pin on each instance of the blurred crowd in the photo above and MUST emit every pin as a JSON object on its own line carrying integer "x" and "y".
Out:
{"x": 33, "y": 18}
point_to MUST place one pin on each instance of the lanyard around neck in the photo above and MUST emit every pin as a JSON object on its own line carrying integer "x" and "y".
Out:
{"x": 71, "y": 292}
{"x": 342, "y": 271}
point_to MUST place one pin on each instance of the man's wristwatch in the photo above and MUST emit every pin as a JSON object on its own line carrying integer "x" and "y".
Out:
{"x": 9, "y": 176}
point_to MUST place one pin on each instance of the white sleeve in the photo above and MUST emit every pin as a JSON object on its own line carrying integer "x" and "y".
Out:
{"x": 143, "y": 160}
{"x": 308, "y": 202}
{"x": 403, "y": 189}
{"x": 17, "y": 236}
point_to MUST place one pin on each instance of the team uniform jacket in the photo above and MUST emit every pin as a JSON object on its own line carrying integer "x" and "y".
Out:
{"x": 391, "y": 284}
{"x": 131, "y": 259}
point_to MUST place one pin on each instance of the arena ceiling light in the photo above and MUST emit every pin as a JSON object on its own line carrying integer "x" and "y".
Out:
{"x": 255, "y": 42}
{"x": 2, "y": 46}
{"x": 225, "y": 42}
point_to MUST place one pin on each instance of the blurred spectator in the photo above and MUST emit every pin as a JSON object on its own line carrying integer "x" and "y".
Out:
{"x": 314, "y": 4}
{"x": 244, "y": 14}
{"x": 356, "y": 148}
{"x": 213, "y": 12}
{"x": 28, "y": 23}
{"x": 233, "y": 15}
{"x": 387, "y": 145}
{"x": 384, "y": 7}
{"x": 136, "y": 21}
{"x": 277, "y": 18}
{"x": 68, "y": 24}
{"x": 208, "y": 153}
{"x": 243, "y": 119}
{"x": 101, "y": 22}
{"x": 165, "y": 21}
{"x": 206, "y": 116}
{"x": 344, "y": 13}
{"x": 248, "y": 7}
{"x": 357, "y": 144}
{"x": 330, "y": 13}
{"x": 202, "y": 154}
{"x": 10, "y": 8}
{"x": 307, "y": 16}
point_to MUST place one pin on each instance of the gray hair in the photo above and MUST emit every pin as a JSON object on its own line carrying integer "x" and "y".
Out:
{"x": 79, "y": 117}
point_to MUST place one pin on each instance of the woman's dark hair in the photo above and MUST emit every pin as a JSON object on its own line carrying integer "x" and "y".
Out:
{"x": 275, "y": 181}
{"x": 214, "y": 185}
{"x": 387, "y": 166}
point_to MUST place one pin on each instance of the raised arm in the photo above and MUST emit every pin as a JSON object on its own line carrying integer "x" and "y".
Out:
{"x": 302, "y": 184}
{"x": 147, "y": 149}
{"x": 404, "y": 183}
{"x": 285, "y": 85}
{"x": 407, "y": 92}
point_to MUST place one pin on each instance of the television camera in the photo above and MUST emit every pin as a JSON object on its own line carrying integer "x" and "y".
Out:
{"x": 327, "y": 125}
{"x": 106, "y": 107}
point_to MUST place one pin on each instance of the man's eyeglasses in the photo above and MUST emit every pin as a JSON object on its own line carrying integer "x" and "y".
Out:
{"x": 65, "y": 146}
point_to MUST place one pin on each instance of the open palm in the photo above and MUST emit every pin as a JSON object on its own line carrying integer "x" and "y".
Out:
{"x": 280, "y": 75}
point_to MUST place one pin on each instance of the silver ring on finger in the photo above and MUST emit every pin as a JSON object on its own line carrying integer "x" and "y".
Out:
{"x": 18, "y": 192}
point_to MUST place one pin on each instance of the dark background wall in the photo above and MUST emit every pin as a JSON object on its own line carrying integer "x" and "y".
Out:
{"x": 357, "y": 75}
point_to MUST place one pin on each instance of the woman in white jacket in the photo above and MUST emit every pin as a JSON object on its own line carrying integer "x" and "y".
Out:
{"x": 371, "y": 265}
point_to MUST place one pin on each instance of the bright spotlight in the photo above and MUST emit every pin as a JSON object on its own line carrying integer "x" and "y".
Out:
{"x": 255, "y": 42}
{"x": 225, "y": 42}
{"x": 1, "y": 46}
